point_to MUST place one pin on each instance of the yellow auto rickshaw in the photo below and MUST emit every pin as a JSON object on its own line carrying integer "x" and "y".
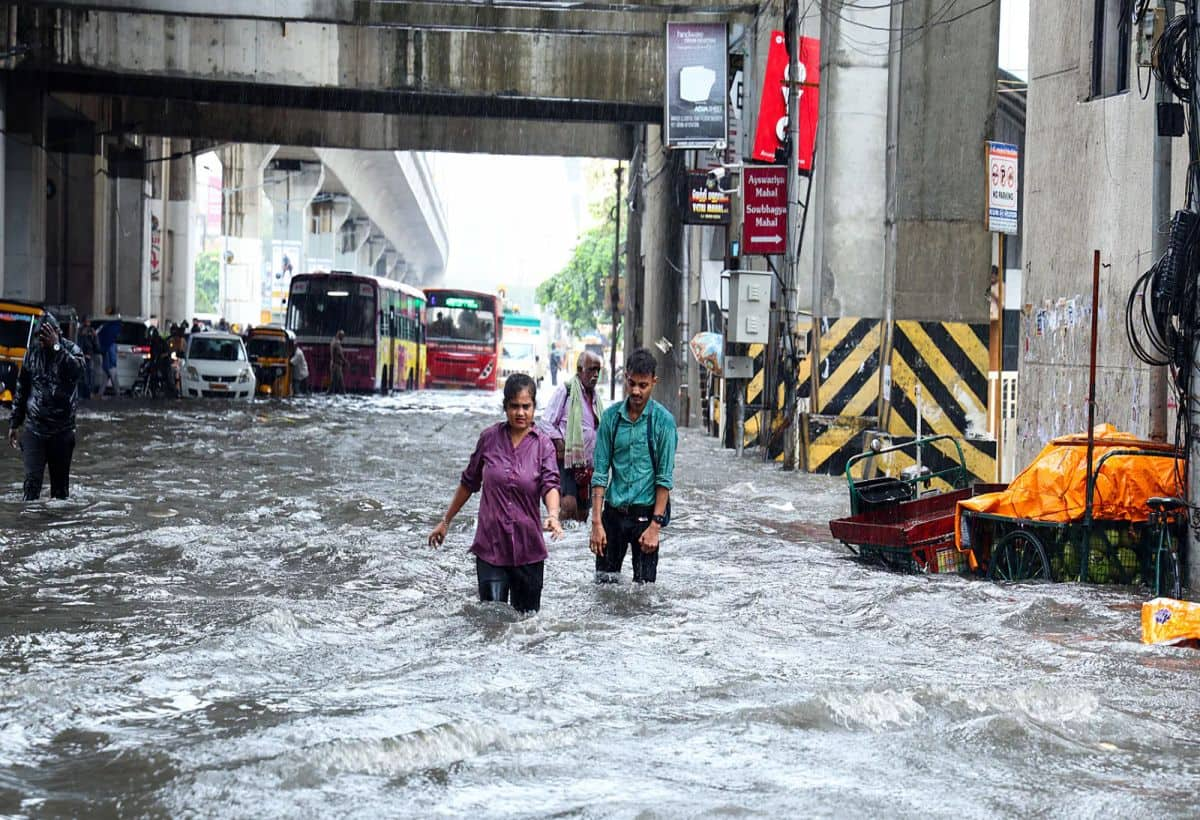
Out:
{"x": 270, "y": 350}
{"x": 17, "y": 320}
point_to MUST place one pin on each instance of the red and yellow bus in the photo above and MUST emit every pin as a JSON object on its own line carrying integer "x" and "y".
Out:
{"x": 462, "y": 328}
{"x": 383, "y": 321}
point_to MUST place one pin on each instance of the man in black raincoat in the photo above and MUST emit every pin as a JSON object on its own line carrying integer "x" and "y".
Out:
{"x": 43, "y": 410}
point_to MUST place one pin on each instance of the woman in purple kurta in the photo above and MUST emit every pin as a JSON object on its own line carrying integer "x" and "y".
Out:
{"x": 515, "y": 466}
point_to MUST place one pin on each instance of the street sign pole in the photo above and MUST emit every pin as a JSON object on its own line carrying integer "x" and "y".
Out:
{"x": 791, "y": 265}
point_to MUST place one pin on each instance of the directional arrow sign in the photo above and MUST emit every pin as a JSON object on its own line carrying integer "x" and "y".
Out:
{"x": 764, "y": 209}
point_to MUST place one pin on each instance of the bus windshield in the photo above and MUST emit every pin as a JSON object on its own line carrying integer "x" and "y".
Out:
{"x": 321, "y": 306}
{"x": 14, "y": 329}
{"x": 462, "y": 320}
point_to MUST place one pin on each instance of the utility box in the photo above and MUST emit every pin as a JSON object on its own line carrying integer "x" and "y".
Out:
{"x": 749, "y": 306}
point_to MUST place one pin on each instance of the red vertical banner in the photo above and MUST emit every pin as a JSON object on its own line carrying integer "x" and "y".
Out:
{"x": 771, "y": 129}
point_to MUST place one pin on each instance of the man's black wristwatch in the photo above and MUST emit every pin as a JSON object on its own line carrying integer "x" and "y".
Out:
{"x": 659, "y": 519}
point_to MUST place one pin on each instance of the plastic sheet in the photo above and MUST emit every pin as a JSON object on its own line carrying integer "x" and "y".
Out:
{"x": 709, "y": 349}
{"x": 1054, "y": 486}
{"x": 1166, "y": 620}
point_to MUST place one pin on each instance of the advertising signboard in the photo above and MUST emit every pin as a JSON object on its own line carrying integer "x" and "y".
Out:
{"x": 771, "y": 129}
{"x": 764, "y": 209}
{"x": 697, "y": 84}
{"x": 707, "y": 204}
{"x": 1002, "y": 216}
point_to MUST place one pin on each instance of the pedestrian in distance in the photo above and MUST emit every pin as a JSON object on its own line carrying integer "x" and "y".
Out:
{"x": 337, "y": 364}
{"x": 89, "y": 346}
{"x": 514, "y": 465}
{"x": 42, "y": 424}
{"x": 299, "y": 372}
{"x": 106, "y": 338}
{"x": 570, "y": 419}
{"x": 555, "y": 364}
{"x": 633, "y": 478}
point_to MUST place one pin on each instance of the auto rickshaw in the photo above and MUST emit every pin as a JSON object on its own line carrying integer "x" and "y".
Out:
{"x": 270, "y": 350}
{"x": 17, "y": 320}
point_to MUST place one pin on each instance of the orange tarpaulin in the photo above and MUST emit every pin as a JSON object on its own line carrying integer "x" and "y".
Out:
{"x": 1054, "y": 486}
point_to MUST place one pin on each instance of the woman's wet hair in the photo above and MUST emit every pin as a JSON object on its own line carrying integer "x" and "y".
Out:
{"x": 517, "y": 382}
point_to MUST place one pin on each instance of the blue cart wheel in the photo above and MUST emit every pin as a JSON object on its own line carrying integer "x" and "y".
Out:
{"x": 1018, "y": 557}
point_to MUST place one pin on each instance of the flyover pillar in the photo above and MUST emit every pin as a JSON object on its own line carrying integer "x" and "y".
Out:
{"x": 244, "y": 261}
{"x": 71, "y": 258}
{"x": 323, "y": 232}
{"x": 24, "y": 234}
{"x": 661, "y": 238}
{"x": 355, "y": 231}
{"x": 290, "y": 187}
{"x": 179, "y": 242}
{"x": 370, "y": 252}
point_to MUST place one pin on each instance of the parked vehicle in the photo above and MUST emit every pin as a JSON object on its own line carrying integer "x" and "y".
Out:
{"x": 133, "y": 347}
{"x": 270, "y": 350}
{"x": 17, "y": 319}
{"x": 522, "y": 348}
{"x": 216, "y": 365}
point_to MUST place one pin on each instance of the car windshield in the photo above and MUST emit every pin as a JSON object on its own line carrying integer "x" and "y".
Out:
{"x": 14, "y": 329}
{"x": 271, "y": 347}
{"x": 517, "y": 350}
{"x": 220, "y": 350}
{"x": 321, "y": 306}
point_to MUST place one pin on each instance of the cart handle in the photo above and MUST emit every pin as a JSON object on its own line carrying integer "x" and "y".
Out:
{"x": 961, "y": 468}
{"x": 1091, "y": 487}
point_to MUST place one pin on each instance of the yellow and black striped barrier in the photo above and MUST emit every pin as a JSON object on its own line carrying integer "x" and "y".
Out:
{"x": 949, "y": 362}
{"x": 847, "y": 369}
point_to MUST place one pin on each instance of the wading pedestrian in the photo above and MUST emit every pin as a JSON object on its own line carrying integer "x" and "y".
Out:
{"x": 42, "y": 423}
{"x": 337, "y": 364}
{"x": 514, "y": 465}
{"x": 633, "y": 478}
{"x": 299, "y": 372}
{"x": 570, "y": 419}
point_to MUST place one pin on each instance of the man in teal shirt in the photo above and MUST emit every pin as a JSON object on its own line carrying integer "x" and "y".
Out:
{"x": 634, "y": 463}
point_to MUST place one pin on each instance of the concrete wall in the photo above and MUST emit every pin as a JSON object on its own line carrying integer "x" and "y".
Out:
{"x": 946, "y": 110}
{"x": 849, "y": 201}
{"x": 1088, "y": 172}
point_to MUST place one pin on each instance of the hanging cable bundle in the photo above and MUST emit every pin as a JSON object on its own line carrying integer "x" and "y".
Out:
{"x": 1171, "y": 57}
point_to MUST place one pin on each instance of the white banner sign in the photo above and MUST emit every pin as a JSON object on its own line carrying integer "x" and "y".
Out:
{"x": 1002, "y": 216}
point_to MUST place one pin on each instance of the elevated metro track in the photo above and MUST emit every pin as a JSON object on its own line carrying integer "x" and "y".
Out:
{"x": 530, "y": 77}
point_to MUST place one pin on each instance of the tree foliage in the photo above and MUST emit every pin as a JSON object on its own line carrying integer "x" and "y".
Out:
{"x": 208, "y": 282}
{"x": 578, "y": 294}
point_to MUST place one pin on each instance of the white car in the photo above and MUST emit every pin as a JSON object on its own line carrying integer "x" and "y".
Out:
{"x": 216, "y": 366}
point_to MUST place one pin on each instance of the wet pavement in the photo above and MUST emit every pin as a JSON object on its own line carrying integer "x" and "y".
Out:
{"x": 236, "y": 614}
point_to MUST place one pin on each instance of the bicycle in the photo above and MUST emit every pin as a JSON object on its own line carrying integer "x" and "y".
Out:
{"x": 1167, "y": 520}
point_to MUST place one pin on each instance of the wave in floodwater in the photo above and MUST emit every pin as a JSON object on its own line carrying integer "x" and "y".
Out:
{"x": 236, "y": 614}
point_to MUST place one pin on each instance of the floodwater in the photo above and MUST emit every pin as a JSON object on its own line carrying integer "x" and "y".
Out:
{"x": 236, "y": 614}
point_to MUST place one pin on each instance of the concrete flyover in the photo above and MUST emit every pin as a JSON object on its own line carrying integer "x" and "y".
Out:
{"x": 455, "y": 76}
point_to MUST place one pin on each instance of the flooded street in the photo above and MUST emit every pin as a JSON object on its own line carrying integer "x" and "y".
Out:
{"x": 236, "y": 614}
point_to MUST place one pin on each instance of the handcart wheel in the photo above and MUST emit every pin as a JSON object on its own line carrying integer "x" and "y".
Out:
{"x": 1019, "y": 556}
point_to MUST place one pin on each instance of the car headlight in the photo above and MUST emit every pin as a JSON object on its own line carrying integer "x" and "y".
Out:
{"x": 193, "y": 373}
{"x": 246, "y": 374}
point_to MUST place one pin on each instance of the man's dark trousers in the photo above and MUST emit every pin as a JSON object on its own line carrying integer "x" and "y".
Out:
{"x": 622, "y": 529}
{"x": 40, "y": 452}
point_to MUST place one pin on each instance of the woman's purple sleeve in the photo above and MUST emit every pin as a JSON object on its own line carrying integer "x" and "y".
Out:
{"x": 472, "y": 477}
